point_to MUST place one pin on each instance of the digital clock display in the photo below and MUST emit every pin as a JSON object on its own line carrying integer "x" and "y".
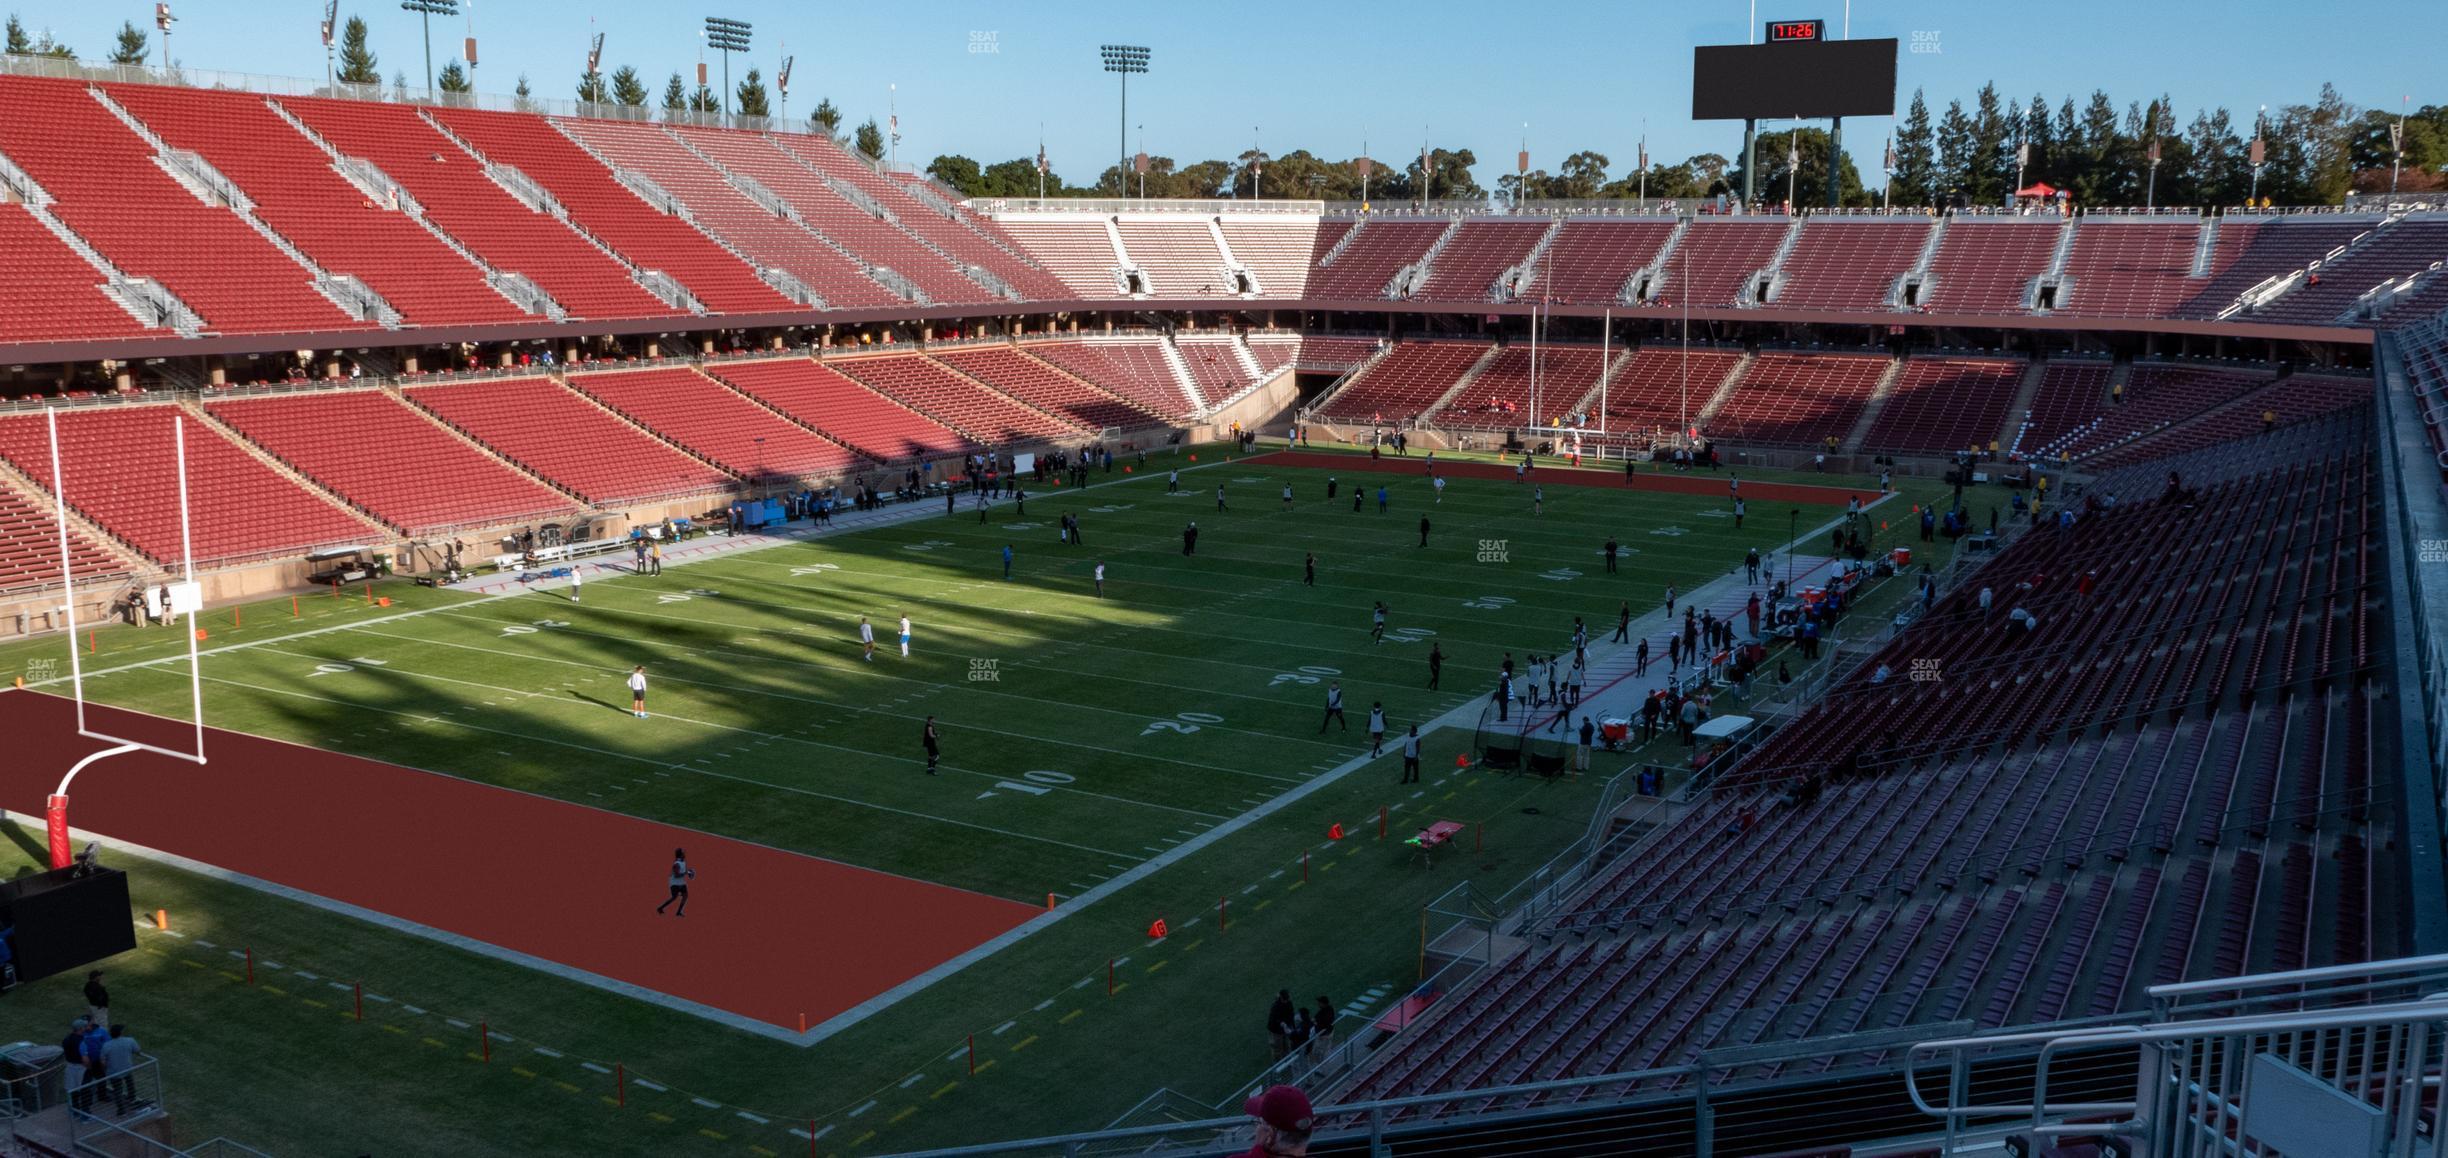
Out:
{"x": 1790, "y": 30}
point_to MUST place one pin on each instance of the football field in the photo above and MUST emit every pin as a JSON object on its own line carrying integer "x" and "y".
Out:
{"x": 1151, "y": 751}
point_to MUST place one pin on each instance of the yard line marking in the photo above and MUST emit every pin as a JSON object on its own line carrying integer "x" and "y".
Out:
{"x": 1082, "y": 983}
{"x": 864, "y": 1108}
{"x": 337, "y": 985}
{"x": 454, "y": 1023}
{"x": 998, "y": 1030}
{"x": 594, "y": 1067}
{"x": 948, "y": 1087}
{"x": 1024, "y": 1043}
{"x": 1041, "y": 1006}
{"x": 1157, "y": 966}
{"x": 1065, "y": 1019}
{"x": 201, "y": 943}
{"x": 1418, "y": 794}
{"x": 955, "y": 1055}
{"x": 1121, "y": 961}
{"x": 1275, "y": 874}
{"x": 548, "y": 1052}
{"x": 647, "y": 1085}
{"x": 1250, "y": 889}
{"x": 906, "y": 1111}
{"x": 817, "y": 1136}
{"x": 912, "y": 1080}
{"x": 755, "y": 1119}
{"x": 411, "y": 1010}
{"x": 710, "y": 1105}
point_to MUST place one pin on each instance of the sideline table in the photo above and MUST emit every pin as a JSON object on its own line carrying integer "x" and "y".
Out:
{"x": 1433, "y": 837}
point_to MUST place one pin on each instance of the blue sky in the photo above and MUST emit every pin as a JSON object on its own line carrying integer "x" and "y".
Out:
{"x": 980, "y": 76}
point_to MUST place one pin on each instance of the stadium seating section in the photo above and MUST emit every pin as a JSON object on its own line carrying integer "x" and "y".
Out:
{"x": 1945, "y": 404}
{"x": 29, "y": 547}
{"x": 719, "y": 425}
{"x": 1467, "y": 269}
{"x": 857, "y": 416}
{"x": 1501, "y": 395}
{"x": 1048, "y": 389}
{"x": 957, "y": 402}
{"x": 1179, "y": 256}
{"x": 1988, "y": 267}
{"x": 560, "y": 436}
{"x": 1849, "y": 265}
{"x": 388, "y": 460}
{"x": 1371, "y": 256}
{"x": 2170, "y": 780}
{"x": 1409, "y": 381}
{"x": 123, "y": 476}
{"x": 1798, "y": 399}
{"x": 1136, "y": 370}
{"x": 55, "y": 294}
{"x": 1715, "y": 263}
{"x": 1592, "y": 260}
{"x": 1658, "y": 387}
{"x": 107, "y": 189}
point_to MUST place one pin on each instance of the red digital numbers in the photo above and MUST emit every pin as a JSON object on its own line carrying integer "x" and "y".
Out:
{"x": 1796, "y": 30}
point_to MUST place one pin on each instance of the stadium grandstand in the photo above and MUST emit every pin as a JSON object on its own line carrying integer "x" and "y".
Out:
{"x": 1811, "y": 664}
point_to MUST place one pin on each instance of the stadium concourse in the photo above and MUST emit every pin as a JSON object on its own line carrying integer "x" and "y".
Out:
{"x": 2110, "y": 521}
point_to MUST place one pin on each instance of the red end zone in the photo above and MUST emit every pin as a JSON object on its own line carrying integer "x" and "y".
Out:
{"x": 771, "y": 935}
{"x": 1552, "y": 472}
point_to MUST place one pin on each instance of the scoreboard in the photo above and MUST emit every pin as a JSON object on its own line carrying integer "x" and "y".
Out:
{"x": 1798, "y": 73}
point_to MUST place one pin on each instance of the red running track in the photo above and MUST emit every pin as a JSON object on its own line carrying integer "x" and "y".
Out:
{"x": 1552, "y": 473}
{"x": 771, "y": 935}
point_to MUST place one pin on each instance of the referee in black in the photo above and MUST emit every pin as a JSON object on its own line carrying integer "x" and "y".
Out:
{"x": 1334, "y": 707}
{"x": 934, "y": 747}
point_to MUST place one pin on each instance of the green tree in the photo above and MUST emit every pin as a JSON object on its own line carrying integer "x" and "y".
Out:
{"x": 358, "y": 64}
{"x": 751, "y": 99}
{"x": 591, "y": 89}
{"x": 705, "y": 100}
{"x": 1016, "y": 178}
{"x": 827, "y": 119}
{"x": 453, "y": 79}
{"x": 960, "y": 173}
{"x": 1916, "y": 148}
{"x": 675, "y": 95}
{"x": 628, "y": 88}
{"x": 870, "y": 140}
{"x": 18, "y": 43}
{"x": 1990, "y": 164}
{"x": 131, "y": 48}
{"x": 524, "y": 96}
{"x": 1580, "y": 177}
{"x": 1809, "y": 182}
{"x": 1953, "y": 175}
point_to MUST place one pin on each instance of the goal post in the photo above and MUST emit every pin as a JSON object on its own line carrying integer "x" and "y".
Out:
{"x": 184, "y": 605}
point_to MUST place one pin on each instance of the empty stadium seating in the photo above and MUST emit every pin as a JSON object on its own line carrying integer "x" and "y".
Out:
{"x": 1798, "y": 399}
{"x": 1500, "y": 396}
{"x": 1987, "y": 267}
{"x": 2130, "y": 269}
{"x": 29, "y": 547}
{"x": 1278, "y": 252}
{"x": 718, "y": 425}
{"x": 53, "y": 294}
{"x": 2389, "y": 252}
{"x": 559, "y": 436}
{"x": 851, "y": 226}
{"x": 1407, "y": 382}
{"x": 1371, "y": 258}
{"x": 1009, "y": 370}
{"x": 123, "y": 475}
{"x": 955, "y": 401}
{"x": 1659, "y": 387}
{"x": 2155, "y": 396}
{"x": 477, "y": 213}
{"x": 963, "y": 237}
{"x": 1077, "y": 251}
{"x": 1591, "y": 259}
{"x": 1714, "y": 263}
{"x": 1335, "y": 355}
{"x": 388, "y": 460}
{"x": 751, "y": 229}
{"x": 2047, "y": 848}
{"x": 2072, "y": 394}
{"x": 1135, "y": 369}
{"x": 108, "y": 190}
{"x": 597, "y": 203}
{"x": 1945, "y": 404}
{"x": 1179, "y": 255}
{"x": 850, "y": 412}
{"x": 1215, "y": 366}
{"x": 296, "y": 192}
{"x": 1481, "y": 249}
{"x": 1849, "y": 265}
{"x": 2247, "y": 251}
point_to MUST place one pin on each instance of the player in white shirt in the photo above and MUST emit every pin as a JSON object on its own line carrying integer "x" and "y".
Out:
{"x": 867, "y": 638}
{"x": 681, "y": 875}
{"x": 905, "y": 637}
{"x": 1100, "y": 580}
{"x": 637, "y": 691}
{"x": 577, "y": 576}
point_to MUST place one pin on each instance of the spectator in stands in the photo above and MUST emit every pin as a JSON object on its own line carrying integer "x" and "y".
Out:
{"x": 2020, "y": 624}
{"x": 72, "y": 1061}
{"x": 1650, "y": 710}
{"x": 97, "y": 999}
{"x": 1688, "y": 719}
{"x": 1279, "y": 1022}
{"x": 1284, "y": 1121}
{"x": 1321, "y": 1029}
{"x": 118, "y": 1067}
{"x": 2269, "y": 421}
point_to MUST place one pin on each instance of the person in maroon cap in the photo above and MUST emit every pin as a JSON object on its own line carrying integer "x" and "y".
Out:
{"x": 1284, "y": 1120}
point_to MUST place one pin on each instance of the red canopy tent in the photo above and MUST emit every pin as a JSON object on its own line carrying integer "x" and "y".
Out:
{"x": 2037, "y": 189}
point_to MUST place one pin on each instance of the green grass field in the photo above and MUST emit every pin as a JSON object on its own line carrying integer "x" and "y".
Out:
{"x": 1186, "y": 697}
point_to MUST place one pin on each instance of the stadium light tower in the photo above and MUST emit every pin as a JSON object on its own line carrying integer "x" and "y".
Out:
{"x": 427, "y": 10}
{"x": 1124, "y": 59}
{"x": 726, "y": 36}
